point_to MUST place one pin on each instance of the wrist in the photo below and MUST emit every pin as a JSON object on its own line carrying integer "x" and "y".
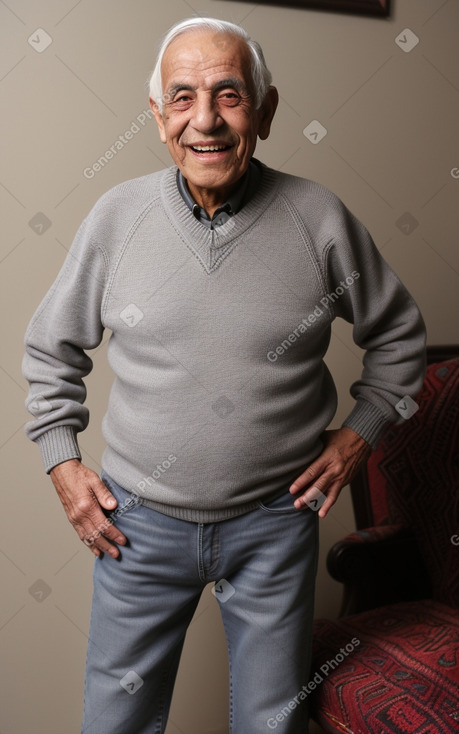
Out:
{"x": 64, "y": 466}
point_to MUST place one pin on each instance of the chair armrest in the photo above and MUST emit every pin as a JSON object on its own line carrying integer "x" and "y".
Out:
{"x": 380, "y": 565}
{"x": 357, "y": 553}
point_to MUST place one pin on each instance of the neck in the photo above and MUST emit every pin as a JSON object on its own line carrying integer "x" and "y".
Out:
{"x": 211, "y": 199}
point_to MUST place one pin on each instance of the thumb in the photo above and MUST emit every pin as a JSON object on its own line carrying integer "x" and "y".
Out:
{"x": 104, "y": 496}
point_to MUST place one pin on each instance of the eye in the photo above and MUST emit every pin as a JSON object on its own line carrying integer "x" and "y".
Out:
{"x": 182, "y": 100}
{"x": 229, "y": 97}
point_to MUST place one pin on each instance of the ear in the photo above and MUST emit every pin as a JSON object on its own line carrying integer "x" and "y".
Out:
{"x": 159, "y": 120}
{"x": 266, "y": 112}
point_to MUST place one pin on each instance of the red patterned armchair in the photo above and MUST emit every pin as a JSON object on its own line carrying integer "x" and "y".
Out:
{"x": 390, "y": 663}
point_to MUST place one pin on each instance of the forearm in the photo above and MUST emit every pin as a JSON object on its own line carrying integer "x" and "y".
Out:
{"x": 66, "y": 323}
{"x": 388, "y": 326}
{"x": 55, "y": 399}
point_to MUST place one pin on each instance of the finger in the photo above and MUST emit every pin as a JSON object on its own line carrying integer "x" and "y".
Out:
{"x": 103, "y": 546}
{"x": 332, "y": 496}
{"x": 313, "y": 498}
{"x": 103, "y": 494}
{"x": 100, "y": 544}
{"x": 309, "y": 475}
{"x": 103, "y": 535}
{"x": 108, "y": 501}
{"x": 318, "y": 500}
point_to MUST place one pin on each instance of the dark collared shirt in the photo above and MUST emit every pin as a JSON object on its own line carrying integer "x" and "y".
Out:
{"x": 248, "y": 184}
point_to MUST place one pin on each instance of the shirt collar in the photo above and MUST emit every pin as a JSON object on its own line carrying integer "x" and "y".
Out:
{"x": 246, "y": 187}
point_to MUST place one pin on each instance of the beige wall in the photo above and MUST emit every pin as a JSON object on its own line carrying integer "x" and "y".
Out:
{"x": 392, "y": 119}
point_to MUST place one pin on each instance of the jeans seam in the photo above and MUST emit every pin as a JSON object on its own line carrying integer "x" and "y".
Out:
{"x": 161, "y": 723}
{"x": 201, "y": 570}
{"x": 215, "y": 548}
{"x": 231, "y": 701}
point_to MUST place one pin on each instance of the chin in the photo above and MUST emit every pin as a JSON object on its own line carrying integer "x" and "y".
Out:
{"x": 202, "y": 178}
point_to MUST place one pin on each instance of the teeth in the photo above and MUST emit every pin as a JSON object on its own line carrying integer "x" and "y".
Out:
{"x": 208, "y": 148}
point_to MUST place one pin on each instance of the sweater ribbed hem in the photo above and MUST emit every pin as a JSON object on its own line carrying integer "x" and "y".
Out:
{"x": 368, "y": 421}
{"x": 57, "y": 445}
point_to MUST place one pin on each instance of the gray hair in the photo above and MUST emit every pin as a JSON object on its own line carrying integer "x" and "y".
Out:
{"x": 261, "y": 76}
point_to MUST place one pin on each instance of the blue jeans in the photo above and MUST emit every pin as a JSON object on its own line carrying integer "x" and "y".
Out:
{"x": 264, "y": 564}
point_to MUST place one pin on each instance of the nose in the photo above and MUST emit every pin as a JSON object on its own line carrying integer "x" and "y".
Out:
{"x": 206, "y": 117}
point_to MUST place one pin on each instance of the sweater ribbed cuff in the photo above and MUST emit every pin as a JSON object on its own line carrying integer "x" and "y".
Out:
{"x": 368, "y": 421}
{"x": 57, "y": 445}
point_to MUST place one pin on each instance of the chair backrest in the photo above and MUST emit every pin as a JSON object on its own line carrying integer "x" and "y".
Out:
{"x": 413, "y": 479}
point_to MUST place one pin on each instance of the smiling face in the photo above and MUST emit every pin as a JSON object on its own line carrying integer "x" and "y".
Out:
{"x": 209, "y": 120}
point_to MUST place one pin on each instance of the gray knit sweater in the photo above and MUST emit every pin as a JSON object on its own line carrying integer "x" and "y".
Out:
{"x": 220, "y": 394}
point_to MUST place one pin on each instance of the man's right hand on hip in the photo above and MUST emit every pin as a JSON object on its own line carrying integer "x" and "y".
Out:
{"x": 83, "y": 495}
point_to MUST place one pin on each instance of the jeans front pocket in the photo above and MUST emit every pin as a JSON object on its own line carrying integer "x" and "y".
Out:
{"x": 280, "y": 505}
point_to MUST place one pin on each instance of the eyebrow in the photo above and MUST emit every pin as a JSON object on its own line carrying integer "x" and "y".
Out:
{"x": 233, "y": 82}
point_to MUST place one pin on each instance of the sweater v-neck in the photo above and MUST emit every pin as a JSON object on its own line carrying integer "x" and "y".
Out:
{"x": 211, "y": 246}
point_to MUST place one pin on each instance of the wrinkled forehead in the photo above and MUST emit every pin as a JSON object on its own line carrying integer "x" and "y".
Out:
{"x": 202, "y": 57}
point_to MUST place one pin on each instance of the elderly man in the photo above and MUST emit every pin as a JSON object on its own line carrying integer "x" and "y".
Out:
{"x": 219, "y": 279}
